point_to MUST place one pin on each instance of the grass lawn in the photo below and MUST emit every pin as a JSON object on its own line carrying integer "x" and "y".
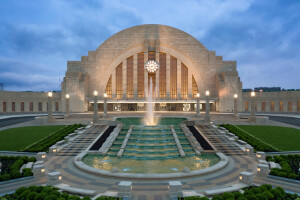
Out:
{"x": 16, "y": 139}
{"x": 284, "y": 138}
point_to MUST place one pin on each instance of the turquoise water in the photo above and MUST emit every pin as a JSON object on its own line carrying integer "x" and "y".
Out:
{"x": 151, "y": 149}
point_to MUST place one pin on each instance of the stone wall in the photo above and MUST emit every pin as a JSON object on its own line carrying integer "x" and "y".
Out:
{"x": 35, "y": 97}
{"x": 284, "y": 96}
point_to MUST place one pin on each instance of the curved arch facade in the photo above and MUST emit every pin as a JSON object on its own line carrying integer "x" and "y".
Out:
{"x": 116, "y": 67}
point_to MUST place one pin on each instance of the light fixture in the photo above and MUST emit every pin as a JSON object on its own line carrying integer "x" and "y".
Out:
{"x": 151, "y": 66}
{"x": 60, "y": 177}
{"x": 105, "y": 95}
{"x": 42, "y": 170}
{"x": 207, "y": 92}
{"x": 235, "y": 96}
{"x": 67, "y": 96}
{"x": 252, "y": 94}
{"x": 54, "y": 150}
{"x": 50, "y": 94}
{"x": 247, "y": 150}
{"x": 258, "y": 155}
{"x": 258, "y": 169}
{"x": 241, "y": 178}
{"x": 43, "y": 156}
{"x": 198, "y": 95}
{"x": 95, "y": 93}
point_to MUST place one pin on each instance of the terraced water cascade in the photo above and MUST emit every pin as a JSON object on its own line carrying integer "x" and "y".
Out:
{"x": 151, "y": 150}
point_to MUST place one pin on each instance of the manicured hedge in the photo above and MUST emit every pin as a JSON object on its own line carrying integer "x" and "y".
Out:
{"x": 256, "y": 143}
{"x": 44, "y": 144}
{"x": 263, "y": 192}
{"x": 289, "y": 166}
{"x": 11, "y": 167}
{"x": 41, "y": 193}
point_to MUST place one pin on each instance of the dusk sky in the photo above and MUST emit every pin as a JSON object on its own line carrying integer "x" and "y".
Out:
{"x": 38, "y": 37}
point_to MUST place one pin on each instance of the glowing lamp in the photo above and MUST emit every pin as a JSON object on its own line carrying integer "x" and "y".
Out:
{"x": 67, "y": 96}
{"x": 95, "y": 93}
{"x": 43, "y": 156}
{"x": 60, "y": 177}
{"x": 43, "y": 170}
{"x": 258, "y": 155}
{"x": 252, "y": 94}
{"x": 105, "y": 95}
{"x": 54, "y": 150}
{"x": 235, "y": 96}
{"x": 207, "y": 92}
{"x": 258, "y": 169}
{"x": 50, "y": 94}
{"x": 198, "y": 95}
{"x": 240, "y": 177}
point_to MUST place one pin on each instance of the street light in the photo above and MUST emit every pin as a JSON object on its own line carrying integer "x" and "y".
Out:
{"x": 67, "y": 105}
{"x": 105, "y": 105}
{"x": 252, "y": 116}
{"x": 207, "y": 107}
{"x": 198, "y": 105}
{"x": 50, "y": 115}
{"x": 95, "y": 106}
{"x": 235, "y": 96}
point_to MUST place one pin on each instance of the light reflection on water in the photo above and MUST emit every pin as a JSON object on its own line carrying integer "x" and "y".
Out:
{"x": 128, "y": 165}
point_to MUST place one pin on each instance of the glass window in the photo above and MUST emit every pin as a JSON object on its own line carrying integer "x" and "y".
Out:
{"x": 13, "y": 106}
{"x": 56, "y": 106}
{"x": 290, "y": 106}
{"x": 130, "y": 77}
{"x": 272, "y": 105}
{"x": 31, "y": 106}
{"x": 263, "y": 106}
{"x": 22, "y": 106}
{"x": 246, "y": 106}
{"x": 140, "y": 75}
{"x": 40, "y": 105}
{"x": 4, "y": 106}
{"x": 184, "y": 81}
{"x": 281, "y": 106}
{"x": 195, "y": 87}
{"x": 119, "y": 81}
{"x": 151, "y": 55}
{"x": 173, "y": 77}
{"x": 108, "y": 87}
{"x": 162, "y": 75}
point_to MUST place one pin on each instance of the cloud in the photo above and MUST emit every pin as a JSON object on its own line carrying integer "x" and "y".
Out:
{"x": 38, "y": 37}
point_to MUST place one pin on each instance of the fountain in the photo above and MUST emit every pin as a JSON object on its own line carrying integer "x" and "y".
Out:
{"x": 150, "y": 119}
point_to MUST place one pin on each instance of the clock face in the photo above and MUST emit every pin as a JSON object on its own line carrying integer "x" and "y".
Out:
{"x": 151, "y": 66}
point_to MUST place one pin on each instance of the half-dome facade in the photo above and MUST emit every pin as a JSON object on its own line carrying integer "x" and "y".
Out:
{"x": 184, "y": 68}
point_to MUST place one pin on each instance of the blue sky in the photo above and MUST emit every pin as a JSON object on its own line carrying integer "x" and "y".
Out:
{"x": 38, "y": 37}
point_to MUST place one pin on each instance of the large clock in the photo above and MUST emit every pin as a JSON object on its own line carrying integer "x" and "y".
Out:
{"x": 151, "y": 66}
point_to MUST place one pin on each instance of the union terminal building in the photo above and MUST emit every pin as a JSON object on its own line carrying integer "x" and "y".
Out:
{"x": 183, "y": 68}
{"x": 125, "y": 66}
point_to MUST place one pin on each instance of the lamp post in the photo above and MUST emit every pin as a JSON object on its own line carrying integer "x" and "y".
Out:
{"x": 105, "y": 105}
{"x": 252, "y": 116}
{"x": 95, "y": 106}
{"x": 198, "y": 105}
{"x": 50, "y": 115}
{"x": 207, "y": 107}
{"x": 235, "y": 96}
{"x": 67, "y": 105}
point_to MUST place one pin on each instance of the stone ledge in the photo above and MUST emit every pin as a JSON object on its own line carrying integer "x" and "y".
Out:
{"x": 82, "y": 166}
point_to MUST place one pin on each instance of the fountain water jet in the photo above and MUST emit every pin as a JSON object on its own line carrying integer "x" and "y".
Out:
{"x": 150, "y": 119}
